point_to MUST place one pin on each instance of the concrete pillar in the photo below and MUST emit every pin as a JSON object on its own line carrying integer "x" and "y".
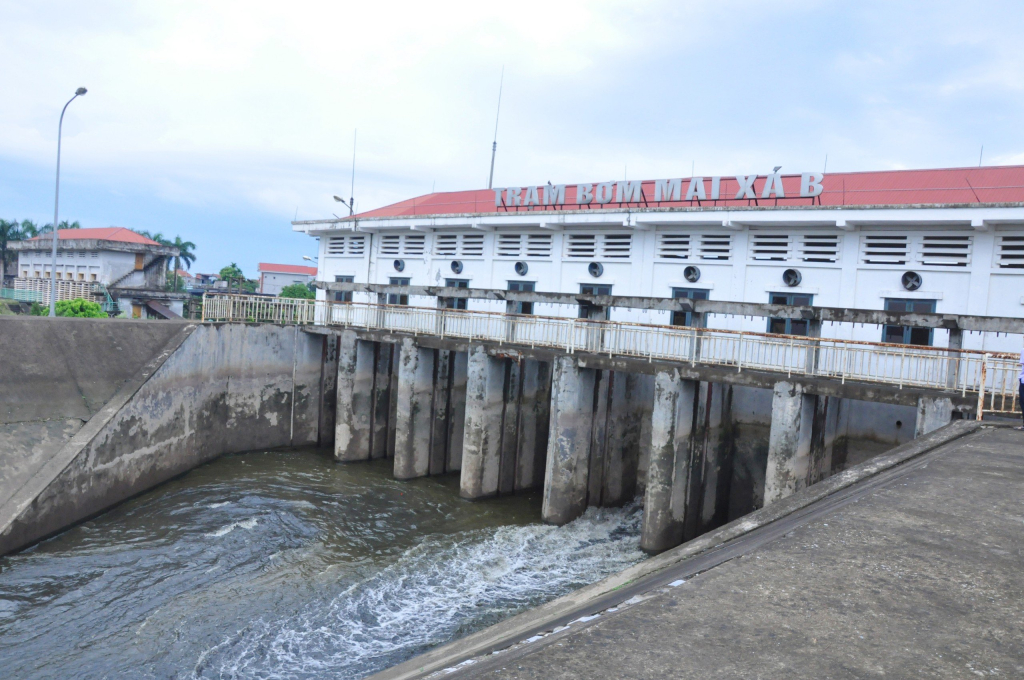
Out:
{"x": 789, "y": 442}
{"x": 481, "y": 444}
{"x": 568, "y": 457}
{"x": 823, "y": 436}
{"x": 328, "y": 391}
{"x": 956, "y": 343}
{"x": 413, "y": 412}
{"x": 396, "y": 352}
{"x": 671, "y": 429}
{"x": 457, "y": 419}
{"x": 509, "y": 426}
{"x": 932, "y": 413}
{"x": 646, "y": 393}
{"x": 599, "y": 437}
{"x": 714, "y": 439}
{"x": 439, "y": 426}
{"x": 381, "y": 406}
{"x": 622, "y": 449}
{"x": 533, "y": 424}
{"x": 355, "y": 374}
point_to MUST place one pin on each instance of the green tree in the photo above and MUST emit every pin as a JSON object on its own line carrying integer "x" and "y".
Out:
{"x": 79, "y": 307}
{"x": 48, "y": 227}
{"x": 9, "y": 231}
{"x": 232, "y": 271}
{"x": 185, "y": 254}
{"x": 298, "y": 291}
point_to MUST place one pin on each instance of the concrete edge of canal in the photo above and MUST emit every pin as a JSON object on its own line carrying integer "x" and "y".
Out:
{"x": 650, "y": 573}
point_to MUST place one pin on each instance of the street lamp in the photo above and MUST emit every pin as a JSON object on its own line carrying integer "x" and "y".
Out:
{"x": 56, "y": 199}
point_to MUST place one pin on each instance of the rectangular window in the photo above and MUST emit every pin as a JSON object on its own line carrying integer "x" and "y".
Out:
{"x": 907, "y": 335}
{"x": 769, "y": 246}
{"x": 525, "y": 286}
{"x": 789, "y": 326}
{"x": 598, "y": 246}
{"x": 459, "y": 245}
{"x": 716, "y": 247}
{"x": 538, "y": 245}
{"x": 945, "y": 251}
{"x": 394, "y": 299}
{"x": 673, "y": 246}
{"x": 686, "y": 318}
{"x": 819, "y": 247}
{"x": 456, "y": 303}
{"x": 402, "y": 244}
{"x": 616, "y": 246}
{"x": 586, "y": 309}
{"x": 581, "y": 246}
{"x": 351, "y": 244}
{"x": 343, "y": 295}
{"x": 1010, "y": 253}
{"x": 885, "y": 249}
{"x": 519, "y": 245}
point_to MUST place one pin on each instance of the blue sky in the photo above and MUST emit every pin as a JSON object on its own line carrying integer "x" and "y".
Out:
{"x": 220, "y": 122}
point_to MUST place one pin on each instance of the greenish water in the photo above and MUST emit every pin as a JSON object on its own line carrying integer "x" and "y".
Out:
{"x": 288, "y": 565}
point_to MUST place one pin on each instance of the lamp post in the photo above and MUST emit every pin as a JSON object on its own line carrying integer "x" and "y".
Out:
{"x": 56, "y": 200}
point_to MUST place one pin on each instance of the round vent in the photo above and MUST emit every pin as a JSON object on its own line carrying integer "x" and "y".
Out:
{"x": 595, "y": 269}
{"x": 792, "y": 277}
{"x": 521, "y": 268}
{"x": 691, "y": 274}
{"x": 399, "y": 265}
{"x": 456, "y": 266}
{"x": 911, "y": 280}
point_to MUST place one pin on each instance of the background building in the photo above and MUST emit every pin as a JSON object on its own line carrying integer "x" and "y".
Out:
{"x": 274, "y": 277}
{"x": 123, "y": 270}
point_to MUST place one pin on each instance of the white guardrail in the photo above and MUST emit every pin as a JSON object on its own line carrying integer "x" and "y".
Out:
{"x": 990, "y": 377}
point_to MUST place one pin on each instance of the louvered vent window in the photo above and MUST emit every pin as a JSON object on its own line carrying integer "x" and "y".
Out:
{"x": 774, "y": 247}
{"x": 616, "y": 245}
{"x": 352, "y": 244}
{"x": 581, "y": 245}
{"x": 459, "y": 245}
{"x": 402, "y": 244}
{"x": 518, "y": 245}
{"x": 946, "y": 251}
{"x": 715, "y": 246}
{"x": 472, "y": 245}
{"x": 1011, "y": 252}
{"x": 509, "y": 245}
{"x": 885, "y": 249}
{"x": 538, "y": 245}
{"x": 819, "y": 247}
{"x": 674, "y": 246}
{"x": 446, "y": 244}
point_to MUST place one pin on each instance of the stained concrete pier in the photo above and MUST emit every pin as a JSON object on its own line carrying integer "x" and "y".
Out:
{"x": 907, "y": 566}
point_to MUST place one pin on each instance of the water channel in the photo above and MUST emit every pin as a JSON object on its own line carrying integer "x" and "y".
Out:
{"x": 288, "y": 565}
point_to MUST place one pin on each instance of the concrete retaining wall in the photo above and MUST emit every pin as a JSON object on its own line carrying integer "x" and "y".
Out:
{"x": 225, "y": 389}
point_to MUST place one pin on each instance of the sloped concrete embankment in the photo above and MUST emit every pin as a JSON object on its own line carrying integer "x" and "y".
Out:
{"x": 205, "y": 391}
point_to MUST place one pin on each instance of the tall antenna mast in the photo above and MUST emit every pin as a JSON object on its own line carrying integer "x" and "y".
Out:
{"x": 494, "y": 146}
{"x": 352, "y": 188}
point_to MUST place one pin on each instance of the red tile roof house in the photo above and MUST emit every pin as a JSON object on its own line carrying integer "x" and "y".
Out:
{"x": 113, "y": 265}
{"x": 274, "y": 277}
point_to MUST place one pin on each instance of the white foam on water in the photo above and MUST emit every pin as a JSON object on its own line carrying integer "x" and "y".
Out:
{"x": 218, "y": 505}
{"x": 244, "y": 524}
{"x": 442, "y": 589}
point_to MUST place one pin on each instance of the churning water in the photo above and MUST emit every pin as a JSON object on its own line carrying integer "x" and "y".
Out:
{"x": 287, "y": 565}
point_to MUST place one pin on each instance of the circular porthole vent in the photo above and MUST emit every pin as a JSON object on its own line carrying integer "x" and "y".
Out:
{"x": 595, "y": 269}
{"x": 792, "y": 277}
{"x": 456, "y": 266}
{"x": 911, "y": 280}
{"x": 399, "y": 265}
{"x": 522, "y": 268}
{"x": 691, "y": 274}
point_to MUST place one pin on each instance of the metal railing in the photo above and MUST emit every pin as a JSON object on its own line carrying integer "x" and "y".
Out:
{"x": 991, "y": 378}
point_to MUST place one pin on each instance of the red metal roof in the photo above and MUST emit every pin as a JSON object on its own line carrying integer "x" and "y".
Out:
{"x": 102, "y": 234}
{"x": 285, "y": 269}
{"x": 993, "y": 184}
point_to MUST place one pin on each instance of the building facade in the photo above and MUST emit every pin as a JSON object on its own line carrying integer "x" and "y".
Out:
{"x": 948, "y": 241}
{"x": 274, "y": 277}
{"x": 123, "y": 270}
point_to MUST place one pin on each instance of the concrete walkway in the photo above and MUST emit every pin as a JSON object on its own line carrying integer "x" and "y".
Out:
{"x": 916, "y": 573}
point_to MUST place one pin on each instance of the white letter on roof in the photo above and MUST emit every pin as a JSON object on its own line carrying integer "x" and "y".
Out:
{"x": 716, "y": 188}
{"x": 513, "y": 196}
{"x": 746, "y": 186}
{"x": 604, "y": 192}
{"x": 628, "y": 192}
{"x": 696, "y": 188}
{"x": 532, "y": 197}
{"x": 668, "y": 189}
{"x": 584, "y": 194}
{"x": 497, "y": 197}
{"x": 773, "y": 183}
{"x": 810, "y": 184}
{"x": 554, "y": 195}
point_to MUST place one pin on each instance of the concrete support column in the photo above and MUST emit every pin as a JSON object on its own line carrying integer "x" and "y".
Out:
{"x": 481, "y": 444}
{"x": 789, "y": 442}
{"x": 603, "y": 380}
{"x": 568, "y": 457}
{"x": 715, "y": 438}
{"x": 622, "y": 449}
{"x": 352, "y": 428}
{"x": 956, "y": 343}
{"x": 932, "y": 413}
{"x": 533, "y": 424}
{"x": 646, "y": 393}
{"x": 510, "y": 426}
{"x": 381, "y": 405}
{"x": 671, "y": 429}
{"x": 328, "y": 391}
{"x": 457, "y": 407}
{"x": 413, "y": 412}
{"x": 439, "y": 426}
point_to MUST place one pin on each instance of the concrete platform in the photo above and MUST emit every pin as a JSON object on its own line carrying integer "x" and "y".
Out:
{"x": 916, "y": 570}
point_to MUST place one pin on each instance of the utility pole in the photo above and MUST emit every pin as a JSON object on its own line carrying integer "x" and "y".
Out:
{"x": 494, "y": 145}
{"x": 56, "y": 200}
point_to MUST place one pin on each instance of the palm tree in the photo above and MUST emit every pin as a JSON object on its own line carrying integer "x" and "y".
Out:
{"x": 185, "y": 254}
{"x": 9, "y": 231}
{"x": 29, "y": 229}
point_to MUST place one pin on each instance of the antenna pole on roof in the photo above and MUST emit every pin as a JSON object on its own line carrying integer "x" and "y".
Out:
{"x": 981, "y": 154}
{"x": 494, "y": 145}
{"x": 352, "y": 188}
{"x": 826, "y": 165}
